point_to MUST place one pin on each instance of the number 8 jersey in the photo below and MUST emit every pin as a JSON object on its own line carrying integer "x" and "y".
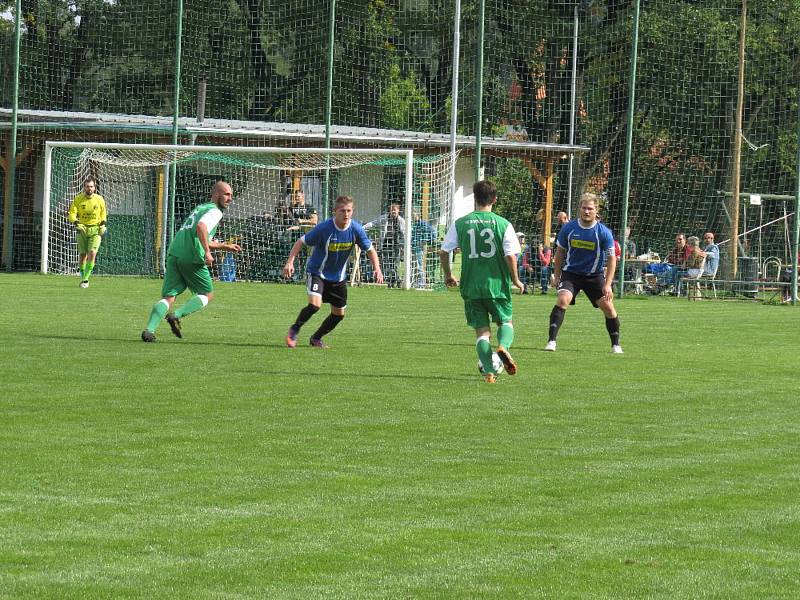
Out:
{"x": 485, "y": 240}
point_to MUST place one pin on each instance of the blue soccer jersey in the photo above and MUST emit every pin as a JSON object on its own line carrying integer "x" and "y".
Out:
{"x": 586, "y": 247}
{"x": 331, "y": 248}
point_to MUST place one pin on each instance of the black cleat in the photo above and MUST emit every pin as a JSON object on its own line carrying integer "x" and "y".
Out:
{"x": 148, "y": 336}
{"x": 174, "y": 325}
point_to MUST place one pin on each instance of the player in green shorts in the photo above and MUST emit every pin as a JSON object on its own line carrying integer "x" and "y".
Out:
{"x": 88, "y": 213}
{"x": 188, "y": 261}
{"x": 489, "y": 249}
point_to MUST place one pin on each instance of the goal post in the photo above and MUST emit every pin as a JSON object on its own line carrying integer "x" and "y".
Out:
{"x": 133, "y": 179}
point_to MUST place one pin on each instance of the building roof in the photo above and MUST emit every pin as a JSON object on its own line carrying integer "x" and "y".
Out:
{"x": 340, "y": 135}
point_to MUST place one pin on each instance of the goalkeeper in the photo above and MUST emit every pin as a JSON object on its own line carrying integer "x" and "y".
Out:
{"x": 88, "y": 214}
{"x": 189, "y": 261}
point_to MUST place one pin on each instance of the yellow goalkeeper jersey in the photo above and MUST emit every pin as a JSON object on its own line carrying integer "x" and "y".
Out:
{"x": 88, "y": 210}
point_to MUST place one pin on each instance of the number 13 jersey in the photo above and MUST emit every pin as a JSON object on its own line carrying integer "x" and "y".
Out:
{"x": 485, "y": 240}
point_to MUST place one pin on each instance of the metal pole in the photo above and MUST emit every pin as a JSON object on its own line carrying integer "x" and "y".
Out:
{"x": 48, "y": 174}
{"x": 733, "y": 210}
{"x": 626, "y": 183}
{"x": 329, "y": 108}
{"x": 409, "y": 217}
{"x": 454, "y": 109}
{"x": 176, "y": 99}
{"x": 11, "y": 172}
{"x": 479, "y": 90}
{"x": 572, "y": 111}
{"x": 796, "y": 210}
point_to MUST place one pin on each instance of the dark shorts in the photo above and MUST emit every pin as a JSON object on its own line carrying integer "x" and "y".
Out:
{"x": 332, "y": 292}
{"x": 591, "y": 285}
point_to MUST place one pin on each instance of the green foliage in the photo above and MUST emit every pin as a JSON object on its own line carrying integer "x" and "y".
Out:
{"x": 402, "y": 104}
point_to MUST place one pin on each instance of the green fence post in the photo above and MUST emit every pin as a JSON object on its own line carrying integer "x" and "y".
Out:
{"x": 11, "y": 172}
{"x": 626, "y": 184}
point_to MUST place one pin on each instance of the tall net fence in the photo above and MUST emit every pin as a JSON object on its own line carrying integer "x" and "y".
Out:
{"x": 558, "y": 72}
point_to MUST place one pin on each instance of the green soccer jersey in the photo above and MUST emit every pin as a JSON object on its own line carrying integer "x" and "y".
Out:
{"x": 186, "y": 246}
{"x": 485, "y": 240}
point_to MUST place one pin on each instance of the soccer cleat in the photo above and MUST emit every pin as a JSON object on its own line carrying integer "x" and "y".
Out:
{"x": 490, "y": 378}
{"x": 148, "y": 336}
{"x": 318, "y": 343}
{"x": 291, "y": 337}
{"x": 174, "y": 325}
{"x": 84, "y": 284}
{"x": 508, "y": 362}
{"x": 617, "y": 350}
{"x": 551, "y": 346}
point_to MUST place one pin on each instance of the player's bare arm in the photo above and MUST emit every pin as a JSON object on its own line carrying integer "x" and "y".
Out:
{"x": 288, "y": 268}
{"x": 611, "y": 269}
{"x": 372, "y": 254}
{"x": 202, "y": 235}
{"x": 511, "y": 259}
{"x": 214, "y": 245}
{"x": 444, "y": 259}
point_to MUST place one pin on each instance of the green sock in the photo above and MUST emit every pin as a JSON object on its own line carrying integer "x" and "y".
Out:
{"x": 159, "y": 311}
{"x": 87, "y": 270}
{"x": 505, "y": 335}
{"x": 484, "y": 350}
{"x": 194, "y": 304}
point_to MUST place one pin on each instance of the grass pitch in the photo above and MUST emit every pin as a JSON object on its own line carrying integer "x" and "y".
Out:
{"x": 225, "y": 465}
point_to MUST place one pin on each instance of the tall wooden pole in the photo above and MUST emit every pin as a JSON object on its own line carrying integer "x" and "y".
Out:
{"x": 733, "y": 207}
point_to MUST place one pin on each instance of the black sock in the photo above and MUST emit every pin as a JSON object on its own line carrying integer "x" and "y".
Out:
{"x": 612, "y": 325}
{"x": 556, "y": 319}
{"x": 308, "y": 311}
{"x": 327, "y": 326}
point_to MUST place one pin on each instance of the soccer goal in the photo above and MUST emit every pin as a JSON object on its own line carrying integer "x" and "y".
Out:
{"x": 150, "y": 188}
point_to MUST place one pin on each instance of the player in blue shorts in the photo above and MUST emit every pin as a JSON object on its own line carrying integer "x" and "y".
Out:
{"x": 585, "y": 261}
{"x": 332, "y": 242}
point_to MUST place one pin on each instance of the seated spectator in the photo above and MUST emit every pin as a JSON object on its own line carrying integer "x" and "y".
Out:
{"x": 677, "y": 258}
{"x": 680, "y": 252}
{"x": 712, "y": 256}
{"x": 695, "y": 262}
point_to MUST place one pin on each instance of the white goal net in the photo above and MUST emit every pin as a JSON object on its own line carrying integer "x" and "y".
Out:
{"x": 278, "y": 194}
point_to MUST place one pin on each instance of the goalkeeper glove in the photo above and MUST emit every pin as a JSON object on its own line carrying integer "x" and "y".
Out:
{"x": 80, "y": 227}
{"x": 102, "y": 230}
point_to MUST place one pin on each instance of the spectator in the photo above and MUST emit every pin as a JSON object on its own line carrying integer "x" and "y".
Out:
{"x": 712, "y": 255}
{"x": 525, "y": 267}
{"x": 680, "y": 252}
{"x": 390, "y": 244}
{"x": 694, "y": 266}
{"x": 303, "y": 215}
{"x": 544, "y": 254}
{"x": 630, "y": 245}
{"x": 422, "y": 234}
